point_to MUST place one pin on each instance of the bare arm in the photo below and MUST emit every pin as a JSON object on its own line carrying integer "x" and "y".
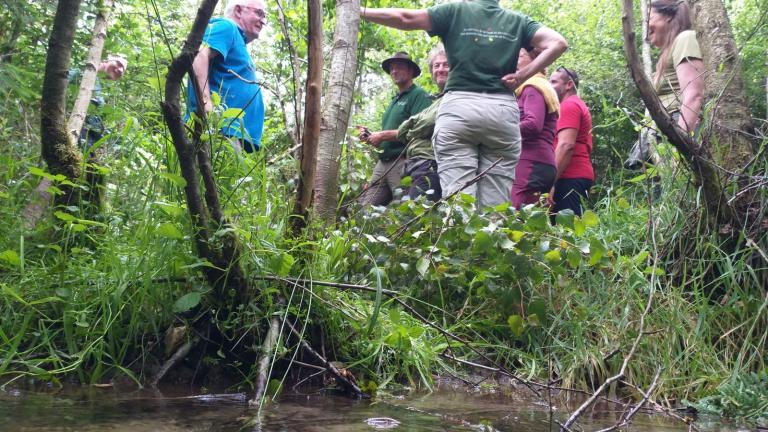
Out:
{"x": 689, "y": 75}
{"x": 200, "y": 67}
{"x": 566, "y": 141}
{"x": 550, "y": 44}
{"x": 403, "y": 19}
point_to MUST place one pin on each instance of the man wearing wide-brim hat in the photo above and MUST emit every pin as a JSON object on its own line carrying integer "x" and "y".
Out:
{"x": 409, "y": 100}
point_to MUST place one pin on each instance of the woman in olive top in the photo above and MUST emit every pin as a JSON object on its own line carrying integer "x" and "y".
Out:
{"x": 477, "y": 123}
{"x": 679, "y": 78}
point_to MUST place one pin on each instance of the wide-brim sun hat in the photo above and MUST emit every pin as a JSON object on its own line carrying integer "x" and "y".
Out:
{"x": 403, "y": 57}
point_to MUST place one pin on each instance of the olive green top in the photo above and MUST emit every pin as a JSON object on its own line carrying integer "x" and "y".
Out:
{"x": 417, "y": 132}
{"x": 482, "y": 41}
{"x": 684, "y": 47}
{"x": 403, "y": 105}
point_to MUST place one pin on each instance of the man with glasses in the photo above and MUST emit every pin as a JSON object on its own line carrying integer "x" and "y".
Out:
{"x": 573, "y": 145}
{"x": 223, "y": 65}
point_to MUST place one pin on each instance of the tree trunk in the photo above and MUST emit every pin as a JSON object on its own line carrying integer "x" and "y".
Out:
{"x": 88, "y": 79}
{"x": 646, "y": 46}
{"x": 696, "y": 157}
{"x": 311, "y": 116}
{"x": 58, "y": 149}
{"x": 727, "y": 132}
{"x": 93, "y": 198}
{"x": 336, "y": 111}
{"x": 222, "y": 251}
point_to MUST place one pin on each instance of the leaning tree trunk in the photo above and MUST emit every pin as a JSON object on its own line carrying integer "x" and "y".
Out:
{"x": 88, "y": 79}
{"x": 311, "y": 116}
{"x": 58, "y": 148}
{"x": 730, "y": 124}
{"x": 222, "y": 251}
{"x": 646, "y": 46}
{"x": 697, "y": 157}
{"x": 94, "y": 177}
{"x": 336, "y": 111}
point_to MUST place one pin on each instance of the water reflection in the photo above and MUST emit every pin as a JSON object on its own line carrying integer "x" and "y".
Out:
{"x": 110, "y": 410}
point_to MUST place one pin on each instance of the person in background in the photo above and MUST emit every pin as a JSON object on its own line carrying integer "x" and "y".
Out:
{"x": 417, "y": 131}
{"x": 679, "y": 78}
{"x": 539, "y": 111}
{"x": 113, "y": 69}
{"x": 477, "y": 129}
{"x": 223, "y": 65}
{"x": 573, "y": 145}
{"x": 409, "y": 100}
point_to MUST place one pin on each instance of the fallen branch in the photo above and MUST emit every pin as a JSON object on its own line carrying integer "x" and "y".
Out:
{"x": 626, "y": 419}
{"x": 352, "y": 387}
{"x": 178, "y": 356}
{"x": 263, "y": 364}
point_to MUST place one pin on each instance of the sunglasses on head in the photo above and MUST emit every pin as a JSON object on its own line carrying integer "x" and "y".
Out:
{"x": 570, "y": 74}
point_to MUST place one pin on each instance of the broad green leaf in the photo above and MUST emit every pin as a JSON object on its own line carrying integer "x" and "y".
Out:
{"x": 565, "y": 218}
{"x": 467, "y": 198}
{"x": 66, "y": 217}
{"x": 590, "y": 218}
{"x": 483, "y": 242}
{"x": 232, "y": 113}
{"x": 622, "y": 203}
{"x": 169, "y": 230}
{"x": 573, "y": 257}
{"x": 516, "y": 324}
{"x": 76, "y": 227}
{"x": 173, "y": 210}
{"x": 10, "y": 257}
{"x": 281, "y": 263}
{"x": 40, "y": 173}
{"x": 187, "y": 302}
{"x": 394, "y": 315}
{"x": 579, "y": 228}
{"x": 422, "y": 265}
{"x": 406, "y": 181}
{"x": 552, "y": 256}
{"x": 597, "y": 250}
{"x": 175, "y": 179}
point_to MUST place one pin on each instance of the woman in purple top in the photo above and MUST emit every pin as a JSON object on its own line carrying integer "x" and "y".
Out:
{"x": 539, "y": 111}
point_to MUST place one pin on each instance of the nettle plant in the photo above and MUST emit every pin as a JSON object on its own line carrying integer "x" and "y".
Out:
{"x": 501, "y": 266}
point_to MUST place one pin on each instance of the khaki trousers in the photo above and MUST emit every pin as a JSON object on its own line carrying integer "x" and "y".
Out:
{"x": 472, "y": 132}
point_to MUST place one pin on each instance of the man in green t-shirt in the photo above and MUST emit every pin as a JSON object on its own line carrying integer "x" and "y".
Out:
{"x": 477, "y": 128}
{"x": 409, "y": 100}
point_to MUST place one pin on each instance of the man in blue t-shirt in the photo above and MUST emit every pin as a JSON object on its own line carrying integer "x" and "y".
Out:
{"x": 223, "y": 65}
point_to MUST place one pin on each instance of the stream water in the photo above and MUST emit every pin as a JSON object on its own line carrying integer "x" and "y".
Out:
{"x": 444, "y": 410}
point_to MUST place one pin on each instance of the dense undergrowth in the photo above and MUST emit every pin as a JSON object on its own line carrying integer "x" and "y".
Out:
{"x": 91, "y": 300}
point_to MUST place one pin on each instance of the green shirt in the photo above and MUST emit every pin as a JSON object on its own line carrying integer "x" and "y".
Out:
{"x": 684, "y": 47}
{"x": 403, "y": 105}
{"x": 417, "y": 132}
{"x": 482, "y": 42}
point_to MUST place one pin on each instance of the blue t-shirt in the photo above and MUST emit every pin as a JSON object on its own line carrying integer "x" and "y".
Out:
{"x": 233, "y": 76}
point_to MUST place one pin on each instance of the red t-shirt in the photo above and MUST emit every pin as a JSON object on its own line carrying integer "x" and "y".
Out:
{"x": 575, "y": 114}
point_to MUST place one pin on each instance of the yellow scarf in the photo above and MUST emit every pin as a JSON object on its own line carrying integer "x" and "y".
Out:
{"x": 540, "y": 82}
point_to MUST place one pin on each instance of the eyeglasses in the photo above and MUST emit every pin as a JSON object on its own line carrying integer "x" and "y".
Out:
{"x": 570, "y": 74}
{"x": 259, "y": 12}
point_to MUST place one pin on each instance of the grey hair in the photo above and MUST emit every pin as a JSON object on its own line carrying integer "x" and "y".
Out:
{"x": 439, "y": 49}
{"x": 229, "y": 11}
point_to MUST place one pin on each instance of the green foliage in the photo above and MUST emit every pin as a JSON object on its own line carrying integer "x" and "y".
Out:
{"x": 743, "y": 396}
{"x": 547, "y": 301}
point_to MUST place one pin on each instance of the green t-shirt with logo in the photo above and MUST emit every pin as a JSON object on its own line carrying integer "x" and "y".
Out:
{"x": 403, "y": 105}
{"x": 482, "y": 41}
